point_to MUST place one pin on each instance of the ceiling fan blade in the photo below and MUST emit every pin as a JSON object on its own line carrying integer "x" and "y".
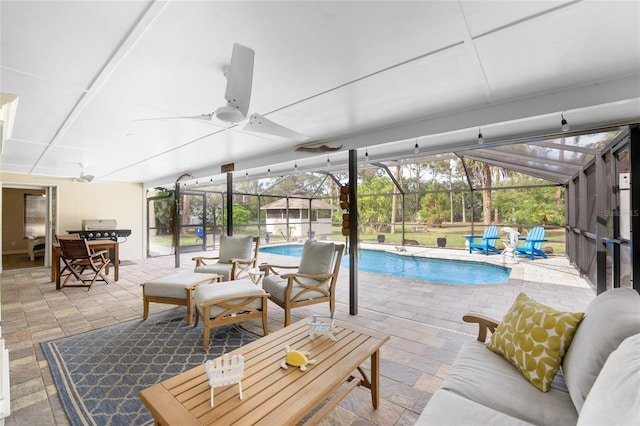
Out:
{"x": 260, "y": 124}
{"x": 206, "y": 117}
{"x": 240, "y": 79}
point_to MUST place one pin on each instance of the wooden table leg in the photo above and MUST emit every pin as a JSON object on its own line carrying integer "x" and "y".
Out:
{"x": 116, "y": 261}
{"x": 375, "y": 379}
{"x": 55, "y": 266}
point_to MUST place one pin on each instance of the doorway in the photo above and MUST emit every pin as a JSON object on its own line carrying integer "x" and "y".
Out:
{"x": 28, "y": 224}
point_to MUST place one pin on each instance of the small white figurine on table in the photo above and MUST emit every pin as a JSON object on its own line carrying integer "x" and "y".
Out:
{"x": 225, "y": 370}
{"x": 318, "y": 327}
{"x": 509, "y": 252}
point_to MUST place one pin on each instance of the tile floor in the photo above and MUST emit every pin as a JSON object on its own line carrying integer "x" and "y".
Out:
{"x": 423, "y": 320}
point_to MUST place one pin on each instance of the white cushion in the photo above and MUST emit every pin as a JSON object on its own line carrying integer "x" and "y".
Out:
{"x": 317, "y": 257}
{"x": 614, "y": 398}
{"x": 488, "y": 379}
{"x": 235, "y": 248}
{"x": 218, "y": 291}
{"x": 275, "y": 285}
{"x": 448, "y": 408}
{"x": 609, "y": 319}
{"x": 174, "y": 286}
{"x": 223, "y": 269}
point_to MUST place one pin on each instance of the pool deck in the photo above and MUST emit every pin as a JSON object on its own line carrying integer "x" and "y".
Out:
{"x": 422, "y": 318}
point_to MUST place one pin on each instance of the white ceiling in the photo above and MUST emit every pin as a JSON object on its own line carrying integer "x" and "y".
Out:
{"x": 376, "y": 75}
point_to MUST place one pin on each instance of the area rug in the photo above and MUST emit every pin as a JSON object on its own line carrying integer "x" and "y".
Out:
{"x": 99, "y": 373}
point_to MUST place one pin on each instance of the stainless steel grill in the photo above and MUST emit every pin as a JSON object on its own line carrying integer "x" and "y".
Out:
{"x": 101, "y": 229}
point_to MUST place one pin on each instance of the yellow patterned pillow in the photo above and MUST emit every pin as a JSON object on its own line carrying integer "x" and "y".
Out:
{"x": 534, "y": 338}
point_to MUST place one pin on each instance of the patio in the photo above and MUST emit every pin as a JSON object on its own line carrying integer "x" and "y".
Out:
{"x": 423, "y": 320}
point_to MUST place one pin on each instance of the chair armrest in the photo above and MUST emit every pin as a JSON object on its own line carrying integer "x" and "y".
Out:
{"x": 472, "y": 237}
{"x": 492, "y": 238}
{"x": 247, "y": 260}
{"x": 312, "y": 276}
{"x": 267, "y": 268}
{"x": 200, "y": 260}
{"x": 484, "y": 324}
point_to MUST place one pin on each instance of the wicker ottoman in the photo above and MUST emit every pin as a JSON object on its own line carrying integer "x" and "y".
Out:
{"x": 175, "y": 289}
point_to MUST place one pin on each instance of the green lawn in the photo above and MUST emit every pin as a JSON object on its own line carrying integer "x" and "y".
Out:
{"x": 453, "y": 234}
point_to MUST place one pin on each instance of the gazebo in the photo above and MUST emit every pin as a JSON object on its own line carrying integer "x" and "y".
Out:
{"x": 298, "y": 217}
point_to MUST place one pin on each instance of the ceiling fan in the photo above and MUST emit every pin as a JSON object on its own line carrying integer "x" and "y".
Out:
{"x": 239, "y": 76}
{"x": 83, "y": 178}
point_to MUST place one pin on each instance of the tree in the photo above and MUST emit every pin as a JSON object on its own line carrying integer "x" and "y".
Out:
{"x": 434, "y": 205}
{"x": 481, "y": 173}
{"x": 374, "y": 202}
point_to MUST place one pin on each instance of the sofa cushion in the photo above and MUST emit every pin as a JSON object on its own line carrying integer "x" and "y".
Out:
{"x": 235, "y": 248}
{"x": 219, "y": 291}
{"x": 615, "y": 397}
{"x": 534, "y": 338}
{"x": 223, "y": 269}
{"x": 448, "y": 408}
{"x": 486, "y": 378}
{"x": 609, "y": 319}
{"x": 276, "y": 286}
{"x": 317, "y": 257}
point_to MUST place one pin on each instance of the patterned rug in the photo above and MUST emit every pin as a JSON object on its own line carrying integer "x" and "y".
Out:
{"x": 99, "y": 373}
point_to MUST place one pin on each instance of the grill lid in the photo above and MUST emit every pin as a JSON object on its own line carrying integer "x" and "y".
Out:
{"x": 99, "y": 224}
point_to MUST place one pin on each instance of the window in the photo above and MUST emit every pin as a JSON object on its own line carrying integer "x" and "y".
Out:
{"x": 35, "y": 214}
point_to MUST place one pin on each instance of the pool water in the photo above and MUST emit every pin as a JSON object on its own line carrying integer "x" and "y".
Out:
{"x": 458, "y": 272}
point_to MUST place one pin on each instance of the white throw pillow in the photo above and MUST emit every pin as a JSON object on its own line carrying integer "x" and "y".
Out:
{"x": 317, "y": 257}
{"x": 614, "y": 398}
{"x": 235, "y": 248}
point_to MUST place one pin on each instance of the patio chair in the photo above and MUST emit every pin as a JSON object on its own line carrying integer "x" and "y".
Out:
{"x": 234, "y": 260}
{"x": 314, "y": 282}
{"x": 78, "y": 258}
{"x": 487, "y": 243}
{"x": 532, "y": 243}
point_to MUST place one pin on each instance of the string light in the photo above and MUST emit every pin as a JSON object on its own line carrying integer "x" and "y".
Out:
{"x": 328, "y": 163}
{"x": 565, "y": 125}
{"x": 366, "y": 154}
{"x": 269, "y": 172}
{"x": 416, "y": 148}
{"x": 480, "y": 137}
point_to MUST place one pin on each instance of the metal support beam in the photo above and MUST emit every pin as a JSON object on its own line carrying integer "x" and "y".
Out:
{"x": 634, "y": 160}
{"x": 230, "y": 204}
{"x": 466, "y": 172}
{"x": 601, "y": 223}
{"x": 353, "y": 236}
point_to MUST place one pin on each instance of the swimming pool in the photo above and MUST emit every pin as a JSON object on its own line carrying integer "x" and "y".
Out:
{"x": 447, "y": 271}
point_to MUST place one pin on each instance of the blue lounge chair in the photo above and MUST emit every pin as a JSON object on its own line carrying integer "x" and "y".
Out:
{"x": 532, "y": 243}
{"x": 488, "y": 242}
{"x": 199, "y": 234}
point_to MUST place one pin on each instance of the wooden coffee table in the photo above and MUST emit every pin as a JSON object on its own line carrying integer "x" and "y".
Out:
{"x": 272, "y": 395}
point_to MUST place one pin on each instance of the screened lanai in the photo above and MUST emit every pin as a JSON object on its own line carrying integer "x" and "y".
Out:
{"x": 424, "y": 193}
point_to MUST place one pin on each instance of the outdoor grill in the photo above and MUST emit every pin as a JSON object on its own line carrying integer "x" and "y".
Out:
{"x": 101, "y": 229}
